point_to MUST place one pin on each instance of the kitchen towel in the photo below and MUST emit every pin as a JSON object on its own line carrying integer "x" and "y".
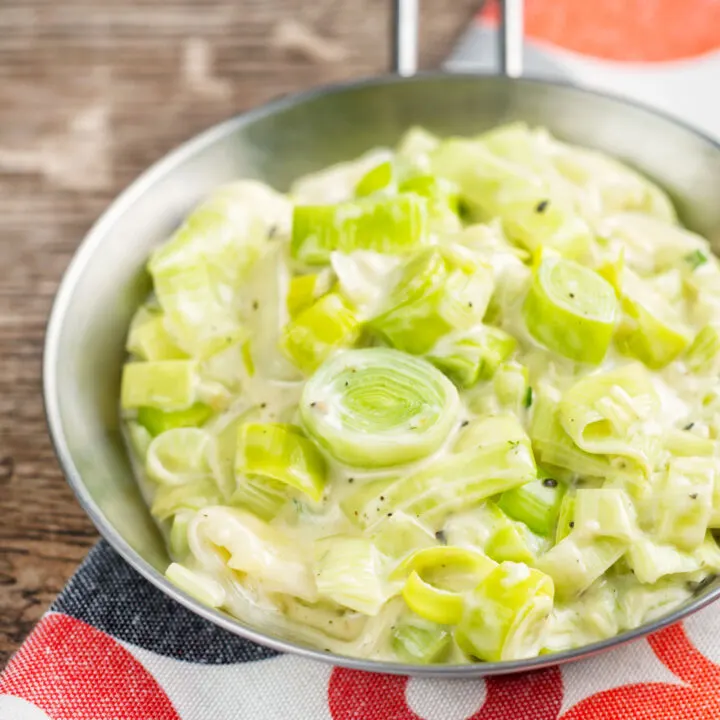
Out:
{"x": 113, "y": 647}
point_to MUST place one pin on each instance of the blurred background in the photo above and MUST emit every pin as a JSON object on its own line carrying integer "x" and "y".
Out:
{"x": 91, "y": 93}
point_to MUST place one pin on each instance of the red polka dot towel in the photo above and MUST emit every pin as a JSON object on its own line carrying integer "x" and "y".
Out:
{"x": 115, "y": 648}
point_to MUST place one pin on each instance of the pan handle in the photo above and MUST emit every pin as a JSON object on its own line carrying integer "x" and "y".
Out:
{"x": 405, "y": 23}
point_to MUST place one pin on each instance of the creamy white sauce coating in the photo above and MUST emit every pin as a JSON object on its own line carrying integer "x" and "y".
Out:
{"x": 285, "y": 601}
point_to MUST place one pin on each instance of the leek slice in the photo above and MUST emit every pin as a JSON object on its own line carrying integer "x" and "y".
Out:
{"x": 304, "y": 290}
{"x": 703, "y": 356}
{"x": 178, "y": 540}
{"x": 326, "y": 326}
{"x": 471, "y": 356}
{"x": 398, "y": 535}
{"x": 336, "y": 183}
{"x": 140, "y": 439}
{"x": 421, "y": 642}
{"x": 618, "y": 187}
{"x": 236, "y": 543}
{"x": 171, "y": 500}
{"x": 533, "y": 212}
{"x": 180, "y": 456}
{"x": 442, "y": 201}
{"x": 507, "y": 539}
{"x": 506, "y": 615}
{"x": 148, "y": 338}
{"x": 381, "y": 177}
{"x": 605, "y": 512}
{"x": 602, "y": 413}
{"x": 350, "y": 571}
{"x": 440, "y": 290}
{"x": 262, "y": 496}
{"x": 566, "y": 515}
{"x": 426, "y": 569}
{"x": 684, "y": 443}
{"x": 650, "y": 330}
{"x": 378, "y": 407}
{"x": 364, "y": 279}
{"x": 571, "y": 310}
{"x": 225, "y": 232}
{"x": 643, "y": 603}
{"x": 708, "y": 553}
{"x": 554, "y": 448}
{"x": 684, "y": 501}
{"x": 503, "y": 429}
{"x": 589, "y": 618}
{"x": 281, "y": 453}
{"x": 198, "y": 313}
{"x": 265, "y": 296}
{"x": 511, "y": 385}
{"x": 578, "y": 560}
{"x": 460, "y": 480}
{"x": 536, "y": 504}
{"x": 652, "y": 246}
{"x": 394, "y": 225}
{"x": 163, "y": 384}
{"x": 650, "y": 560}
{"x": 202, "y": 588}
{"x": 156, "y": 421}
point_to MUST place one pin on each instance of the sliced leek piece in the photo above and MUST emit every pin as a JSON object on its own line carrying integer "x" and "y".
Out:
{"x": 650, "y": 329}
{"x": 473, "y": 355}
{"x": 536, "y": 504}
{"x": 455, "y": 567}
{"x": 325, "y": 327}
{"x": 571, "y": 310}
{"x": 506, "y": 616}
{"x": 439, "y": 291}
{"x": 281, "y": 453}
{"x": 156, "y": 421}
{"x": 378, "y": 407}
{"x": 394, "y": 225}
{"x": 165, "y": 384}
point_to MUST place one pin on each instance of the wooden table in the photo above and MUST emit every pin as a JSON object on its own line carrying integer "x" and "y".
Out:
{"x": 92, "y": 92}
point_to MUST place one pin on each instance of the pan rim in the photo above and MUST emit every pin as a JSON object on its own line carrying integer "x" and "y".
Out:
{"x": 75, "y": 269}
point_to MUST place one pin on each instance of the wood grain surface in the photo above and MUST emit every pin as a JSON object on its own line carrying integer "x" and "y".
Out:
{"x": 92, "y": 92}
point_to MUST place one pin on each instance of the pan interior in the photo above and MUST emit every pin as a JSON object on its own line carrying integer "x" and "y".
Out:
{"x": 106, "y": 281}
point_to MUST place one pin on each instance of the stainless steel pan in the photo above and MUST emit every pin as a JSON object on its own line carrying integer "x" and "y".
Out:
{"x": 275, "y": 143}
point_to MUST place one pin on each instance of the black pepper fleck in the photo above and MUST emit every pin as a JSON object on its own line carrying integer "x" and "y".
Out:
{"x": 550, "y": 482}
{"x": 440, "y": 535}
{"x": 693, "y": 496}
{"x": 572, "y": 524}
{"x": 263, "y": 405}
{"x": 572, "y": 295}
{"x": 313, "y": 404}
{"x": 464, "y": 423}
{"x": 542, "y": 206}
{"x": 256, "y": 304}
{"x": 689, "y": 426}
{"x": 351, "y": 480}
{"x": 389, "y": 514}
